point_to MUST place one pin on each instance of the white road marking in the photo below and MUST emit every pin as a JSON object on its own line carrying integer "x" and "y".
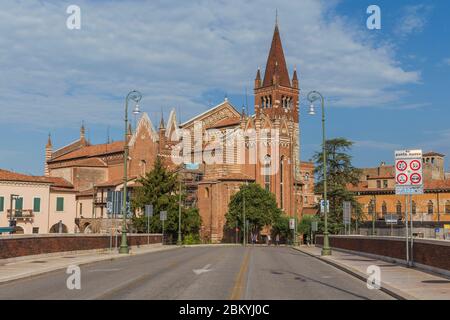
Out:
{"x": 203, "y": 270}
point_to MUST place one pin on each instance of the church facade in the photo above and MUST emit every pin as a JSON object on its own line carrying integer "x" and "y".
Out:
{"x": 216, "y": 152}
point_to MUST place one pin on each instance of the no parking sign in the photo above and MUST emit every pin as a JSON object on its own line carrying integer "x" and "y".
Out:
{"x": 408, "y": 172}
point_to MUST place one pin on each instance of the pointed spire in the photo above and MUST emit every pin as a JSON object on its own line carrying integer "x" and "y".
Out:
{"x": 161, "y": 122}
{"x": 82, "y": 131}
{"x": 49, "y": 142}
{"x": 258, "y": 74}
{"x": 294, "y": 78}
{"x": 276, "y": 63}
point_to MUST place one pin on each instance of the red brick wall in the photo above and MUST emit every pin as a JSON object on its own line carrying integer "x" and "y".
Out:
{"x": 432, "y": 253}
{"x": 31, "y": 245}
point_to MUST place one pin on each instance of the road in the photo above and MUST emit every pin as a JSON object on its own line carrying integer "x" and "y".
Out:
{"x": 203, "y": 273}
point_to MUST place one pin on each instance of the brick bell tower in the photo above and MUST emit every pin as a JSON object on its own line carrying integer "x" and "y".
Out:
{"x": 276, "y": 107}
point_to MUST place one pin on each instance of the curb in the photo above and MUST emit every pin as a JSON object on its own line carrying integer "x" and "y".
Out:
{"x": 82, "y": 263}
{"x": 394, "y": 292}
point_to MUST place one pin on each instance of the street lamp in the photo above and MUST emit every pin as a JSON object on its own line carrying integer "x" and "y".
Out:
{"x": 312, "y": 97}
{"x": 136, "y": 97}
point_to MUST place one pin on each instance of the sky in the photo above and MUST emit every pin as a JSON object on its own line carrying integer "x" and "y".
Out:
{"x": 384, "y": 89}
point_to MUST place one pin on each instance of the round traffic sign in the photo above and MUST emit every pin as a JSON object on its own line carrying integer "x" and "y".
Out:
{"x": 415, "y": 165}
{"x": 416, "y": 178}
{"x": 402, "y": 178}
{"x": 401, "y": 165}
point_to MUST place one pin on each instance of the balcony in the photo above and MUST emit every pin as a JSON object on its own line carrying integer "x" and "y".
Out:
{"x": 21, "y": 215}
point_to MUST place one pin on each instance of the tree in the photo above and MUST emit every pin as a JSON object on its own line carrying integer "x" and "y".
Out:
{"x": 281, "y": 227}
{"x": 260, "y": 208}
{"x": 340, "y": 174}
{"x": 160, "y": 188}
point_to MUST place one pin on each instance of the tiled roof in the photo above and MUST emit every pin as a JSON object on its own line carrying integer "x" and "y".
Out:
{"x": 114, "y": 182}
{"x": 92, "y": 150}
{"x": 276, "y": 63}
{"x": 227, "y": 122}
{"x": 6, "y": 175}
{"x": 432, "y": 153}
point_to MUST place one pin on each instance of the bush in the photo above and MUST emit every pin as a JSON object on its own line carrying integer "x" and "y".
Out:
{"x": 191, "y": 239}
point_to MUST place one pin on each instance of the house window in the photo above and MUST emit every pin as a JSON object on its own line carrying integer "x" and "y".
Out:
{"x": 378, "y": 184}
{"x": 19, "y": 206}
{"x": 399, "y": 208}
{"x": 206, "y": 192}
{"x": 2, "y": 204}
{"x": 306, "y": 177}
{"x": 430, "y": 207}
{"x": 35, "y": 230}
{"x": 37, "y": 205}
{"x": 447, "y": 207}
{"x": 414, "y": 207}
{"x": 59, "y": 204}
{"x": 385, "y": 184}
{"x": 384, "y": 208}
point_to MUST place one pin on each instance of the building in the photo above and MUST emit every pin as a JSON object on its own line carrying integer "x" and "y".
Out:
{"x": 39, "y": 204}
{"x": 262, "y": 147}
{"x": 376, "y": 192}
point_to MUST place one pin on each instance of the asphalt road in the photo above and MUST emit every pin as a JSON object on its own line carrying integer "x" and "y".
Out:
{"x": 201, "y": 273}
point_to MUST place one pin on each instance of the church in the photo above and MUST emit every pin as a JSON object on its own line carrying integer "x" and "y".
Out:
{"x": 268, "y": 154}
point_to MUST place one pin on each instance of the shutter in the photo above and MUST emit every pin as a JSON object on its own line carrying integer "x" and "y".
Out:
{"x": 37, "y": 205}
{"x": 59, "y": 204}
{"x": 2, "y": 204}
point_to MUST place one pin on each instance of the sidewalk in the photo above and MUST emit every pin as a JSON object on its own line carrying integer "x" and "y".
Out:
{"x": 398, "y": 280}
{"x": 36, "y": 265}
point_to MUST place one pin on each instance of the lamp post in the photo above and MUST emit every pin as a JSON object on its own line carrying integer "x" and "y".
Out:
{"x": 136, "y": 97}
{"x": 179, "y": 242}
{"x": 313, "y": 96}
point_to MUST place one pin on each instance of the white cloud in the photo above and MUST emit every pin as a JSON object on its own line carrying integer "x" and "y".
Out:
{"x": 413, "y": 20}
{"x": 175, "y": 53}
{"x": 447, "y": 61}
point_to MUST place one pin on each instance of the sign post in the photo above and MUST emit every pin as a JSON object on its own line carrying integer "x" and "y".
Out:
{"x": 347, "y": 215}
{"x": 163, "y": 217}
{"x": 408, "y": 182}
{"x": 148, "y": 214}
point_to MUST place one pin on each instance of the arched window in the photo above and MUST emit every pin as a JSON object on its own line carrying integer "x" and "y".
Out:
{"x": 307, "y": 177}
{"x": 414, "y": 207}
{"x": 267, "y": 162}
{"x": 206, "y": 192}
{"x": 143, "y": 165}
{"x": 430, "y": 207}
{"x": 398, "y": 208}
{"x": 447, "y": 207}
{"x": 384, "y": 208}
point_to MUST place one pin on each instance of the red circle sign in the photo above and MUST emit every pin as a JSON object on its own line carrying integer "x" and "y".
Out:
{"x": 416, "y": 178}
{"x": 402, "y": 178}
{"x": 401, "y": 165}
{"x": 415, "y": 165}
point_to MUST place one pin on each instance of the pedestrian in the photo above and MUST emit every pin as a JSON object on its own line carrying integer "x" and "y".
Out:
{"x": 268, "y": 239}
{"x": 277, "y": 239}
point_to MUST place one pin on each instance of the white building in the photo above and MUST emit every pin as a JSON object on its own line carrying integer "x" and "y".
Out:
{"x": 39, "y": 204}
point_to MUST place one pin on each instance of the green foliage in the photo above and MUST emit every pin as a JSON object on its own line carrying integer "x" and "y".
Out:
{"x": 304, "y": 225}
{"x": 191, "y": 239}
{"x": 260, "y": 208}
{"x": 161, "y": 188}
{"x": 340, "y": 174}
{"x": 281, "y": 227}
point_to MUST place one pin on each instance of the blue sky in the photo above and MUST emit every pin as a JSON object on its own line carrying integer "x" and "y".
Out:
{"x": 385, "y": 89}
